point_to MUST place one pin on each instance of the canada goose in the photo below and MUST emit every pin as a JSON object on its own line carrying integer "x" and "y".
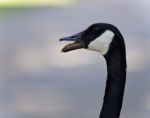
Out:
{"x": 107, "y": 40}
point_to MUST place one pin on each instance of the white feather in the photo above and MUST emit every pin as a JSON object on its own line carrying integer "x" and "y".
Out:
{"x": 102, "y": 43}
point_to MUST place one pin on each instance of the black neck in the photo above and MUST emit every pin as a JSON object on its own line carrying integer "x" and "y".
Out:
{"x": 116, "y": 78}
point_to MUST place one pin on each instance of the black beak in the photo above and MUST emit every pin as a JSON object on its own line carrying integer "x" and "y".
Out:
{"x": 78, "y": 44}
{"x": 75, "y": 37}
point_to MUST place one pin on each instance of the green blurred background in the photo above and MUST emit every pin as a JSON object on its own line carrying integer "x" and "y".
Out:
{"x": 26, "y": 3}
{"x": 38, "y": 81}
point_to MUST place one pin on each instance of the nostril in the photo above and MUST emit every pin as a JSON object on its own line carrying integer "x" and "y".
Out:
{"x": 73, "y": 36}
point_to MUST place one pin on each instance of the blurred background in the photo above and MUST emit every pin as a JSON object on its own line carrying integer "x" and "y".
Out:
{"x": 38, "y": 81}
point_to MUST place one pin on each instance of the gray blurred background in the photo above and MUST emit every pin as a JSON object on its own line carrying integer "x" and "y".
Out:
{"x": 38, "y": 81}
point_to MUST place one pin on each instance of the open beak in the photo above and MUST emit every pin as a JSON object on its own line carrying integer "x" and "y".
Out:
{"x": 77, "y": 44}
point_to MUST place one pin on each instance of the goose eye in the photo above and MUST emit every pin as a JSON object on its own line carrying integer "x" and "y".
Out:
{"x": 96, "y": 29}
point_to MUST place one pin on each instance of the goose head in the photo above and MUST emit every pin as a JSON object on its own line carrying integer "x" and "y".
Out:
{"x": 100, "y": 37}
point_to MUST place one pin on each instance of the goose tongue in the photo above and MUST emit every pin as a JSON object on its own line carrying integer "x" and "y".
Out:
{"x": 73, "y": 46}
{"x": 78, "y": 44}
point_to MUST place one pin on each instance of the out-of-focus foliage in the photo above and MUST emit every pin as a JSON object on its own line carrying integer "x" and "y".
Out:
{"x": 19, "y": 3}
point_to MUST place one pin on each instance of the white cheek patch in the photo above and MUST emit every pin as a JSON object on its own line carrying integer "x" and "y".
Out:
{"x": 101, "y": 44}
